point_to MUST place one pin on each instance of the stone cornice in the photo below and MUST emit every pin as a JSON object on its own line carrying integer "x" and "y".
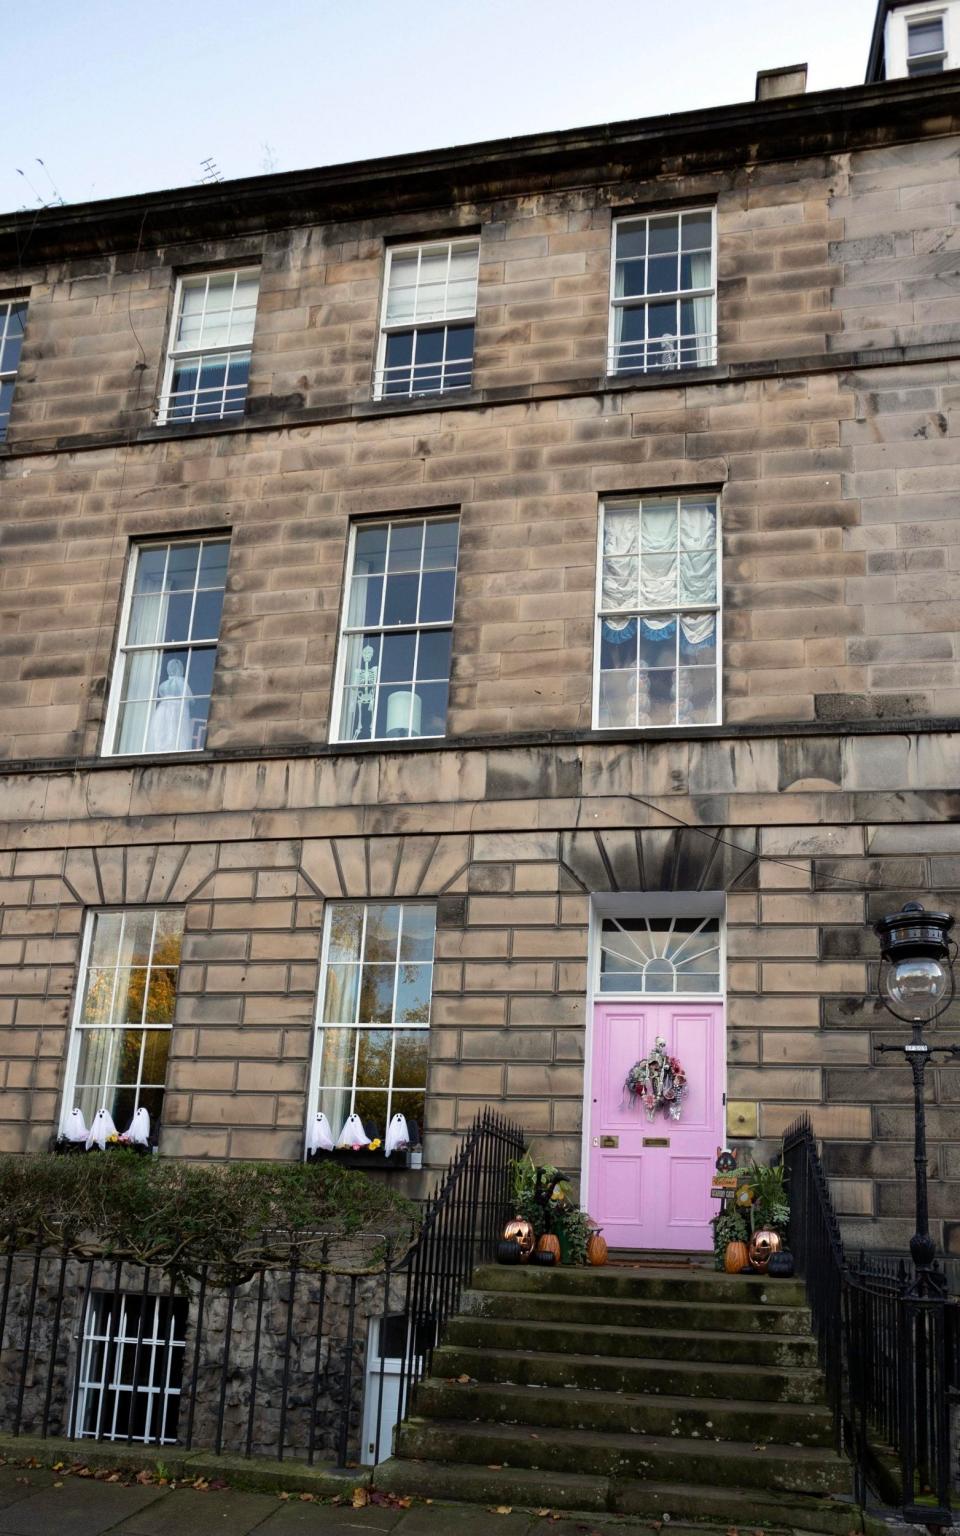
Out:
{"x": 823, "y": 122}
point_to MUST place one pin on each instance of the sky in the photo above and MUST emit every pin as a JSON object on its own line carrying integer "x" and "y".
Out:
{"x": 120, "y": 97}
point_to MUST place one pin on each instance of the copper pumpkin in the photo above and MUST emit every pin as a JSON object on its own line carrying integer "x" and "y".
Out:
{"x": 763, "y": 1244}
{"x": 520, "y": 1231}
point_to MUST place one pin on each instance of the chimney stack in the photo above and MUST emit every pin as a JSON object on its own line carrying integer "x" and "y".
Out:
{"x": 791, "y": 80}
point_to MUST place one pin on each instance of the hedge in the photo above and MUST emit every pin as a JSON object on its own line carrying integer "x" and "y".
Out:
{"x": 179, "y": 1216}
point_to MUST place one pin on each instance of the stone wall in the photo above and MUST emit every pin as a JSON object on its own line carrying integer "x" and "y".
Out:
{"x": 39, "y": 1357}
{"x": 810, "y": 836}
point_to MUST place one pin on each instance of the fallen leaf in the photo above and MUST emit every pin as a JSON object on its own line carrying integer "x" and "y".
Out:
{"x": 308, "y": 1498}
{"x": 494, "y": 1466}
{"x": 144, "y": 1477}
{"x": 360, "y": 1499}
{"x": 58, "y": 1485}
{"x": 502, "y": 1509}
{"x": 463, "y": 1380}
{"x": 286, "y": 1496}
{"x": 542, "y": 1513}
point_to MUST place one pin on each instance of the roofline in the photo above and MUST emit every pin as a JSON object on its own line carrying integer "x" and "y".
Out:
{"x": 809, "y": 124}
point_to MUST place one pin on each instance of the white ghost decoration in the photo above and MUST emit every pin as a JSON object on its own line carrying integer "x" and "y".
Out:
{"x": 101, "y": 1129}
{"x": 138, "y": 1131}
{"x": 398, "y": 1135}
{"x": 353, "y": 1133}
{"x": 320, "y": 1138}
{"x": 75, "y": 1128}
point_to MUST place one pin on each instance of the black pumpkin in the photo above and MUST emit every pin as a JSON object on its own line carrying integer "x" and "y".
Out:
{"x": 545, "y": 1258}
{"x": 508, "y": 1251}
{"x": 781, "y": 1265}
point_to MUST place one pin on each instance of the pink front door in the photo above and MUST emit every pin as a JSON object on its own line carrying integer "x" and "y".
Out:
{"x": 649, "y": 1181}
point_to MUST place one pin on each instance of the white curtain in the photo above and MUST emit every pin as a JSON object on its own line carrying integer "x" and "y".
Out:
{"x": 655, "y": 558}
{"x": 700, "y": 277}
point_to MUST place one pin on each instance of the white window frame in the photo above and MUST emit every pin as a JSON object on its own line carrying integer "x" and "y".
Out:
{"x": 614, "y": 368}
{"x": 599, "y": 612}
{"x": 347, "y": 630}
{"x": 417, "y": 247}
{"x": 78, "y": 1028}
{"x": 177, "y": 353}
{"x": 926, "y": 18}
{"x": 320, "y": 1025}
{"x": 105, "y": 1323}
{"x": 9, "y": 375}
{"x": 110, "y": 747}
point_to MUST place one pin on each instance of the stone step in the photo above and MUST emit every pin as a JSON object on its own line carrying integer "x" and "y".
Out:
{"x": 634, "y": 1312}
{"x": 708, "y": 1507}
{"x": 687, "y": 1378}
{"x": 797, "y": 1469}
{"x": 707, "y": 1419}
{"x": 784, "y": 1350}
{"x": 673, "y": 1285}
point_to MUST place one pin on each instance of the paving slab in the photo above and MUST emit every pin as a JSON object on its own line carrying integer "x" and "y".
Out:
{"x": 296, "y": 1519}
{"x": 462, "y": 1520}
{"x": 18, "y": 1483}
{"x": 191, "y": 1512}
{"x": 79, "y": 1508}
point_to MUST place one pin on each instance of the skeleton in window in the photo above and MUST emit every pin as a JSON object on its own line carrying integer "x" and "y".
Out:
{"x": 365, "y": 683}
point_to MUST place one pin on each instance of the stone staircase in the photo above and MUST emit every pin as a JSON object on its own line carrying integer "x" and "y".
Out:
{"x": 683, "y": 1393}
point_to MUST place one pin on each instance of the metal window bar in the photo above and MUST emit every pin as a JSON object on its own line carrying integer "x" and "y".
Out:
{"x": 889, "y": 1344}
{"x": 667, "y": 353}
{"x": 210, "y": 402}
{"x": 127, "y": 1354}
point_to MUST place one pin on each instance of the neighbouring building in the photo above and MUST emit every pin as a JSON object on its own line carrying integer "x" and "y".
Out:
{"x": 466, "y": 614}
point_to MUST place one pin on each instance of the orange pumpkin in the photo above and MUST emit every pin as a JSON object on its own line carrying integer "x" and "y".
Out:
{"x": 735, "y": 1258}
{"x": 550, "y": 1243}
{"x": 596, "y": 1248}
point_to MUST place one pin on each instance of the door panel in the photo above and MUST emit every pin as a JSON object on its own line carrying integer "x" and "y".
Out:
{"x": 649, "y": 1185}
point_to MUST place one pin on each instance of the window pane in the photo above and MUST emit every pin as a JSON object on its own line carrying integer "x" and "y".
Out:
{"x": 436, "y": 597}
{"x": 925, "y": 37}
{"x": 429, "y": 714}
{"x": 618, "y": 699}
{"x": 366, "y": 598}
{"x": 336, "y": 1064}
{"x": 376, "y": 994}
{"x": 345, "y": 929}
{"x": 662, "y": 274}
{"x": 413, "y": 994}
{"x": 206, "y": 615}
{"x": 406, "y": 543}
{"x": 419, "y": 931}
{"x": 397, "y": 658}
{"x": 383, "y": 928}
{"x": 433, "y": 656}
{"x": 370, "y": 549}
{"x": 410, "y": 1062}
{"x": 400, "y": 600}
{"x": 632, "y": 240}
{"x": 696, "y": 232}
{"x": 340, "y": 995}
{"x": 440, "y": 544}
{"x": 374, "y": 1051}
{"x": 696, "y": 695}
{"x": 136, "y": 945}
{"x": 664, "y": 235}
{"x": 182, "y": 567}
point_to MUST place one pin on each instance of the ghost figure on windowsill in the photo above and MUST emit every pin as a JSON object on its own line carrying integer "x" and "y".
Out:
{"x": 138, "y": 1131}
{"x": 75, "y": 1129}
{"x": 320, "y": 1138}
{"x": 353, "y": 1134}
{"x": 101, "y": 1130}
{"x": 171, "y": 723}
{"x": 398, "y": 1135}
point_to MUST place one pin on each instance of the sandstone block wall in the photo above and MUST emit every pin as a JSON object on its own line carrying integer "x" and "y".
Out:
{"x": 805, "y": 837}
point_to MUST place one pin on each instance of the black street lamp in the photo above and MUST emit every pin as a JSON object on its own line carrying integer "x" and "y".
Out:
{"x": 916, "y": 984}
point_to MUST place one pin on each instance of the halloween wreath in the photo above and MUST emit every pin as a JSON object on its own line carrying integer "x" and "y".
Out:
{"x": 658, "y": 1081}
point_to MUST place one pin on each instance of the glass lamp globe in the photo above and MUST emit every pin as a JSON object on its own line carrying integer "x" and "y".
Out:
{"x": 916, "y": 985}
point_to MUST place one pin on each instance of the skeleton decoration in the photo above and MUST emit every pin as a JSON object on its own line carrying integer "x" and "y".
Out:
{"x": 365, "y": 683}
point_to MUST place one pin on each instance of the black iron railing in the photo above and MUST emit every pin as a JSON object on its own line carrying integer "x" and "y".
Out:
{"x": 269, "y": 1359}
{"x": 889, "y": 1347}
{"x": 460, "y": 1229}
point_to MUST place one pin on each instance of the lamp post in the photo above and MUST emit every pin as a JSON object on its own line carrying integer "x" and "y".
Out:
{"x": 916, "y": 984}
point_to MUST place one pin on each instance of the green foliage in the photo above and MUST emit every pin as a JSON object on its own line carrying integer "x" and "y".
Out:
{"x": 181, "y": 1215}
{"x": 563, "y": 1216}
{"x": 730, "y": 1226}
{"x": 771, "y": 1208}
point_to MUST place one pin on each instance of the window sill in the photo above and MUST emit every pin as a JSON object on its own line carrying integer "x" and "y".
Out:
{"x": 394, "y": 1162}
{"x": 63, "y": 1148}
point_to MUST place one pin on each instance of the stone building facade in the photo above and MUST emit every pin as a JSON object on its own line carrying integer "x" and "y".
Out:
{"x": 825, "y": 425}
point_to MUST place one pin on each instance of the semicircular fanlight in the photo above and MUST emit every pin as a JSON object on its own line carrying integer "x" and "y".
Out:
{"x": 677, "y": 955}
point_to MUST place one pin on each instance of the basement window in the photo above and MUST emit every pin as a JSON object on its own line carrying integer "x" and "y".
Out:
{"x": 131, "y": 1368}
{"x": 208, "y": 362}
